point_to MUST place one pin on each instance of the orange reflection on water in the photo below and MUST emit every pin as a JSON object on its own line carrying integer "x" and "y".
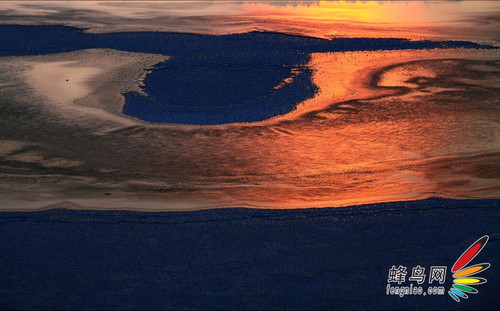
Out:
{"x": 384, "y": 126}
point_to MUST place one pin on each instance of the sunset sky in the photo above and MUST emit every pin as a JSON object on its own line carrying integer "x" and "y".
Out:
{"x": 412, "y": 19}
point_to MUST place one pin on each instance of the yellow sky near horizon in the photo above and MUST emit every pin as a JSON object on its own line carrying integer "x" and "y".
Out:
{"x": 459, "y": 20}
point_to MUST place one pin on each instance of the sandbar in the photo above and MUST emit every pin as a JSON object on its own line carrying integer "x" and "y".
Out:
{"x": 89, "y": 81}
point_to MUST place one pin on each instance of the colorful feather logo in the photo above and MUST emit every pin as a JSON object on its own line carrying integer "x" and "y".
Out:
{"x": 464, "y": 277}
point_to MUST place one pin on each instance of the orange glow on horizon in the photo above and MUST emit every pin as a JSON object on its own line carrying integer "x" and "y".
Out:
{"x": 430, "y": 20}
{"x": 411, "y": 19}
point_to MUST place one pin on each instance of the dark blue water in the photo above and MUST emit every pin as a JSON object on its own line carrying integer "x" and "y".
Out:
{"x": 209, "y": 79}
{"x": 213, "y": 93}
{"x": 241, "y": 258}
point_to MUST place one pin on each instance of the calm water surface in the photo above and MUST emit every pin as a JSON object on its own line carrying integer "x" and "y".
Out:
{"x": 373, "y": 126}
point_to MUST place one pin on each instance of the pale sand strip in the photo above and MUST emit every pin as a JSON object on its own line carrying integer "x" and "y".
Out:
{"x": 83, "y": 80}
{"x": 64, "y": 81}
